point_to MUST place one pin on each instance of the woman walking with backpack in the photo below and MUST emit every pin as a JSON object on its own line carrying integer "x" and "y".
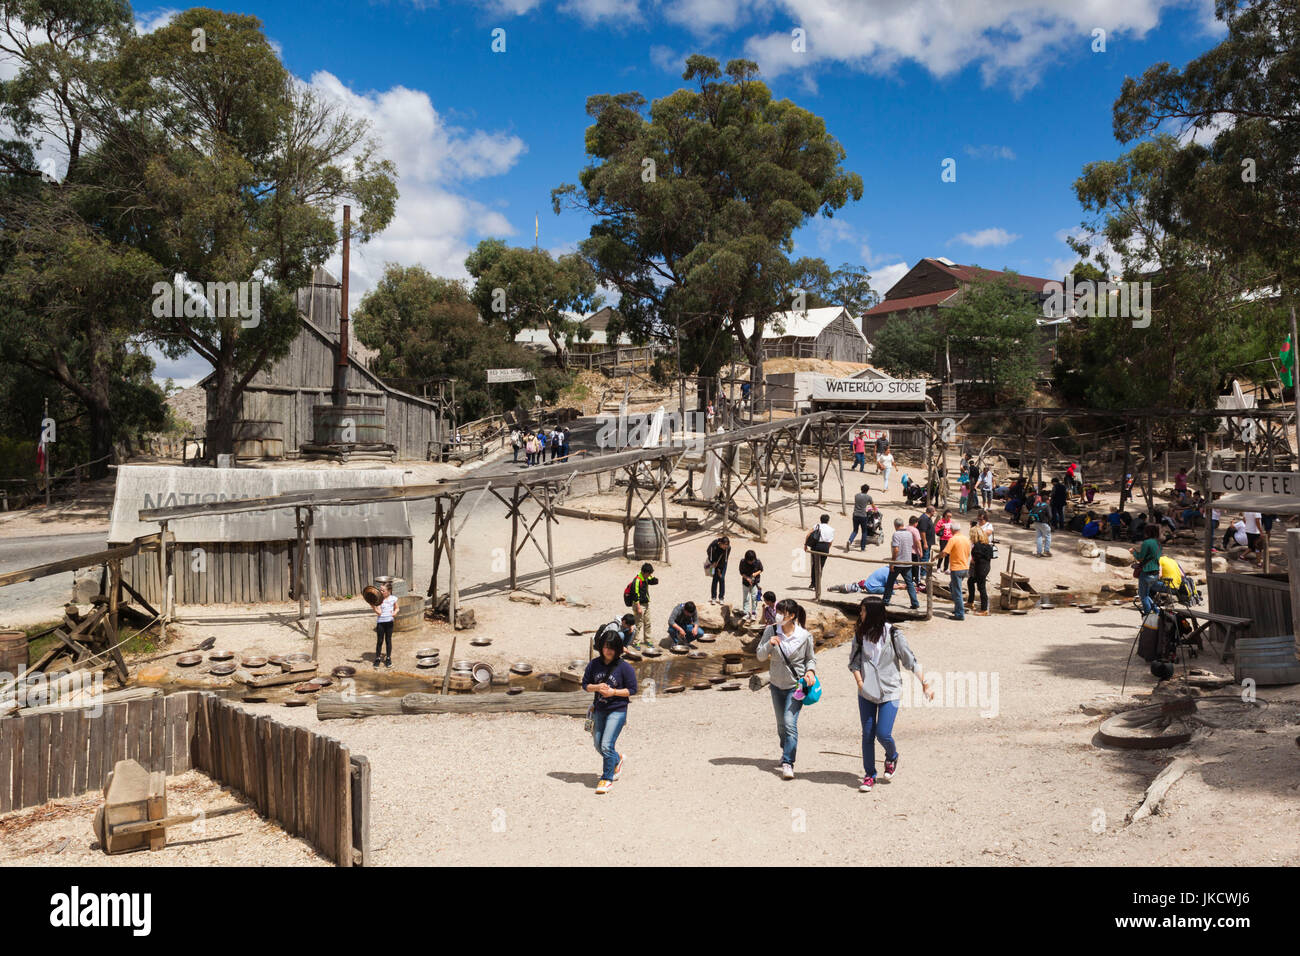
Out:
{"x": 878, "y": 650}
{"x": 793, "y": 674}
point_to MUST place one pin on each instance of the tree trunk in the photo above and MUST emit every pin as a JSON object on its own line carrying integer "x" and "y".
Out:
{"x": 221, "y": 431}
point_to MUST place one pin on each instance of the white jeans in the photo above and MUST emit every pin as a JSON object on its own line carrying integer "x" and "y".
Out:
{"x": 887, "y": 472}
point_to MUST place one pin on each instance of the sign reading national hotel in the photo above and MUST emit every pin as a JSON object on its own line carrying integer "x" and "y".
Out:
{"x": 869, "y": 389}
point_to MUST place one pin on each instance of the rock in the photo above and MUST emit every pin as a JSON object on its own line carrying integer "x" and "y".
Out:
{"x": 523, "y": 597}
{"x": 1118, "y": 556}
{"x": 1218, "y": 564}
{"x": 1088, "y": 549}
{"x": 712, "y": 617}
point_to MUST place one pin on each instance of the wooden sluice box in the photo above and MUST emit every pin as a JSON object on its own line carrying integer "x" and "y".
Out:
{"x": 134, "y": 814}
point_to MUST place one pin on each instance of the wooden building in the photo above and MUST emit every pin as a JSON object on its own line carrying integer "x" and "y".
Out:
{"x": 275, "y": 410}
{"x": 823, "y": 333}
{"x": 250, "y": 558}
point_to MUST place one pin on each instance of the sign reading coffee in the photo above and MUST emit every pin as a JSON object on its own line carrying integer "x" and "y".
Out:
{"x": 1256, "y": 483}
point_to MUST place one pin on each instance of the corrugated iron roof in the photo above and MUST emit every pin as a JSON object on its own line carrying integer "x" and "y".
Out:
{"x": 140, "y": 487}
{"x": 802, "y": 324}
{"x": 925, "y": 300}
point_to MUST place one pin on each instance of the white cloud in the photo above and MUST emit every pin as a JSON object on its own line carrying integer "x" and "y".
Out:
{"x": 989, "y": 152}
{"x": 155, "y": 20}
{"x": 435, "y": 225}
{"x": 1013, "y": 40}
{"x": 884, "y": 277}
{"x": 666, "y": 59}
{"x": 597, "y": 11}
{"x": 993, "y": 236}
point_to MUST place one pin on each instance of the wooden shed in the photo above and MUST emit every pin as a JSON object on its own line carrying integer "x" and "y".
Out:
{"x": 277, "y": 404}
{"x": 823, "y": 333}
{"x": 250, "y": 558}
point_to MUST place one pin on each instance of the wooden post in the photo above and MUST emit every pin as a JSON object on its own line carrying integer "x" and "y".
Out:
{"x": 514, "y": 537}
{"x": 313, "y": 583}
{"x": 298, "y": 576}
{"x": 929, "y": 588}
{"x": 1293, "y": 575}
{"x": 1208, "y": 495}
{"x": 666, "y": 464}
{"x": 1151, "y": 489}
{"x": 453, "y": 586}
{"x": 550, "y": 551}
{"x": 162, "y": 583}
{"x": 1128, "y": 463}
{"x": 839, "y": 464}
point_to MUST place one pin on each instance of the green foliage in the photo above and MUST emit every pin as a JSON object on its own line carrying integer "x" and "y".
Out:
{"x": 526, "y": 288}
{"x": 992, "y": 329}
{"x": 696, "y": 200}
{"x": 424, "y": 326}
{"x": 908, "y": 346}
{"x": 1202, "y": 323}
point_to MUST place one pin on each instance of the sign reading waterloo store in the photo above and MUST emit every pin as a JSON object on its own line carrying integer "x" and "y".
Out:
{"x": 870, "y": 389}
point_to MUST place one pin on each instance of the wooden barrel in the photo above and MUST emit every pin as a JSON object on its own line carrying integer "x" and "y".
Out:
{"x": 645, "y": 540}
{"x": 1266, "y": 660}
{"x": 13, "y": 652}
{"x": 410, "y": 612}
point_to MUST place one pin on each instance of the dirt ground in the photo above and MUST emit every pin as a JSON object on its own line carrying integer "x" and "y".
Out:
{"x": 61, "y": 833}
{"x": 1012, "y": 778}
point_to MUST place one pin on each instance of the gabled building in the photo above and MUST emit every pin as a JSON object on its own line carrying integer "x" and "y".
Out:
{"x": 933, "y": 283}
{"x": 830, "y": 332}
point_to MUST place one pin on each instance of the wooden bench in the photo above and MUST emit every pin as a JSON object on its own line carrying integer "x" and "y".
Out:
{"x": 1229, "y": 627}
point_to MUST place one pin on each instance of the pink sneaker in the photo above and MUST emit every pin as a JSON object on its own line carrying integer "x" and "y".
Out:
{"x": 867, "y": 784}
{"x": 891, "y": 768}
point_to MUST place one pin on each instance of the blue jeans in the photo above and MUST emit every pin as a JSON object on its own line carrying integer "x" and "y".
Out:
{"x": 859, "y": 461}
{"x": 895, "y": 572}
{"x": 859, "y": 524}
{"x": 957, "y": 584}
{"x": 877, "y": 724}
{"x": 692, "y": 633}
{"x": 1058, "y": 517}
{"x": 787, "y": 720}
{"x": 1145, "y": 580}
{"x": 605, "y": 728}
{"x": 718, "y": 586}
{"x": 1043, "y": 540}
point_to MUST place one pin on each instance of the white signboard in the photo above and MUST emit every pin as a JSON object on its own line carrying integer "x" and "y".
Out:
{"x": 869, "y": 389}
{"x": 498, "y": 375}
{"x": 1256, "y": 482}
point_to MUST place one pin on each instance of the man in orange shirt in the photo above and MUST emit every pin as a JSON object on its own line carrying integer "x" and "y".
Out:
{"x": 958, "y": 552}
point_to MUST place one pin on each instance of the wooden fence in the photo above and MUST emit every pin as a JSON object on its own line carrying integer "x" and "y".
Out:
{"x": 310, "y": 785}
{"x": 299, "y": 779}
{"x": 47, "y": 756}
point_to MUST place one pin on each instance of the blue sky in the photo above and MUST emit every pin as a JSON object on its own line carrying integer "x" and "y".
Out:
{"x": 1012, "y": 90}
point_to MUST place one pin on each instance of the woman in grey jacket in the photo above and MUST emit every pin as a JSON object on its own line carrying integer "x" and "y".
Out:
{"x": 878, "y": 650}
{"x": 790, "y": 647}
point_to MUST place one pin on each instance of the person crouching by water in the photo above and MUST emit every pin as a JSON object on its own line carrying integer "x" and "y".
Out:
{"x": 878, "y": 650}
{"x": 384, "y": 612}
{"x": 613, "y": 681}
{"x": 790, "y": 647}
